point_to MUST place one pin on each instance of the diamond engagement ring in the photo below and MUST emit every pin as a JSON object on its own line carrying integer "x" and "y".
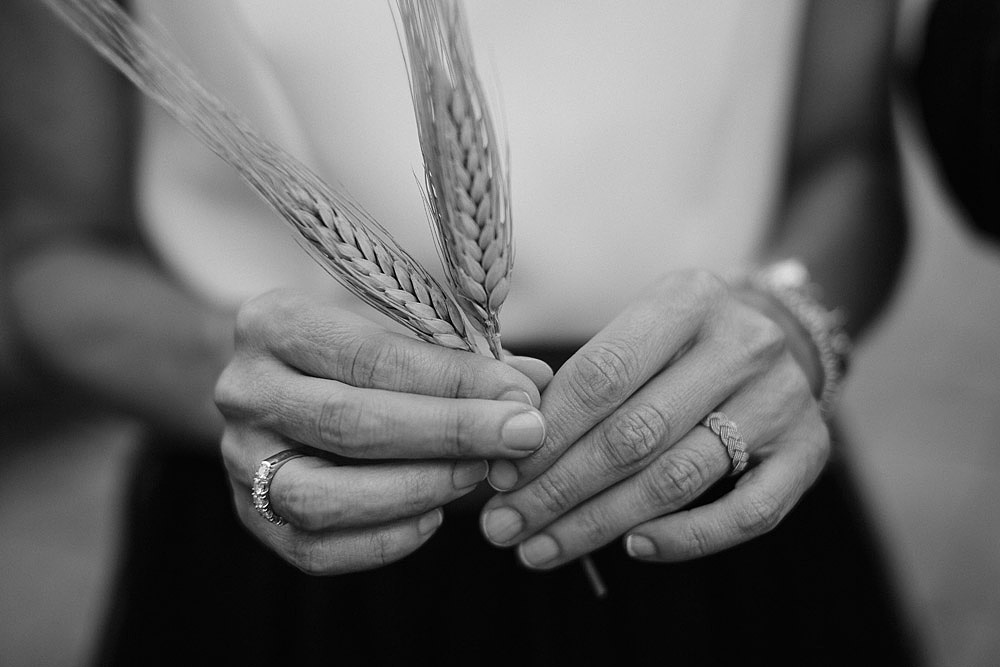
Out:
{"x": 261, "y": 489}
{"x": 730, "y": 436}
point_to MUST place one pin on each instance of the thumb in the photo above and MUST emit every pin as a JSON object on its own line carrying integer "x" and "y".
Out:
{"x": 536, "y": 370}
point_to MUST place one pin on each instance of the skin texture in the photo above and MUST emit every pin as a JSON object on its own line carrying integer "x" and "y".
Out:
{"x": 622, "y": 456}
{"x": 623, "y": 445}
{"x": 309, "y": 373}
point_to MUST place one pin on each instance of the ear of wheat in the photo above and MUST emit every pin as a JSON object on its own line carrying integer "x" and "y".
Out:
{"x": 464, "y": 169}
{"x": 466, "y": 178}
{"x": 336, "y": 231}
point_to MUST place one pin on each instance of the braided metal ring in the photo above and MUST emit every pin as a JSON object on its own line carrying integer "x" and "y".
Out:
{"x": 261, "y": 489}
{"x": 730, "y": 436}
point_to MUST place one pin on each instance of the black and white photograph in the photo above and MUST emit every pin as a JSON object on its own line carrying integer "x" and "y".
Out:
{"x": 500, "y": 332}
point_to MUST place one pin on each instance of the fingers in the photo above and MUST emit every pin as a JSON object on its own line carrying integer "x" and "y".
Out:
{"x": 349, "y": 518}
{"x": 315, "y": 495}
{"x": 674, "y": 480}
{"x": 774, "y": 415}
{"x": 343, "y": 551}
{"x": 536, "y": 370}
{"x": 323, "y": 377}
{"x": 324, "y": 341}
{"x": 759, "y": 502}
{"x": 305, "y": 373}
{"x": 633, "y": 437}
{"x": 671, "y": 481}
{"x": 615, "y": 363}
{"x": 654, "y": 417}
{"x": 377, "y": 424}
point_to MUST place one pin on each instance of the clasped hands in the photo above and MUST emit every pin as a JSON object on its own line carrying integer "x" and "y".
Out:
{"x": 608, "y": 447}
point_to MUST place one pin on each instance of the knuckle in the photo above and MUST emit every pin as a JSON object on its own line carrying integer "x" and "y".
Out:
{"x": 257, "y": 312}
{"x": 553, "y": 494}
{"x": 375, "y": 361}
{"x": 417, "y": 494}
{"x": 794, "y": 402}
{"x": 455, "y": 423}
{"x": 704, "y": 284}
{"x": 249, "y": 317}
{"x": 306, "y": 506}
{"x": 292, "y": 502}
{"x": 758, "y": 515}
{"x": 593, "y": 529}
{"x": 633, "y": 436}
{"x": 308, "y": 557}
{"x": 677, "y": 480}
{"x": 695, "y": 541}
{"x": 453, "y": 380}
{"x": 381, "y": 547}
{"x": 605, "y": 371}
{"x": 338, "y": 423}
{"x": 788, "y": 395}
{"x": 763, "y": 338}
{"x": 474, "y": 376}
{"x": 228, "y": 392}
{"x": 772, "y": 339}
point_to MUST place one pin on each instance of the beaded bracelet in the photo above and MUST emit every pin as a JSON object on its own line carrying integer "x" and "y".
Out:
{"x": 787, "y": 282}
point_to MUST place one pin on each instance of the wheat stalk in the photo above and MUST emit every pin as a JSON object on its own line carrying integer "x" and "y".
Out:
{"x": 347, "y": 242}
{"x": 465, "y": 173}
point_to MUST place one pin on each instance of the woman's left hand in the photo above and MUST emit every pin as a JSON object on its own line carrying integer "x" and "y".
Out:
{"x": 624, "y": 453}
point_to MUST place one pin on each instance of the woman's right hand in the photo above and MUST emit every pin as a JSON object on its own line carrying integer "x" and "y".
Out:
{"x": 409, "y": 424}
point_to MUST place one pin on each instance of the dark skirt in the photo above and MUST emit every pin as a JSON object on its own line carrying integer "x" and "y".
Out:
{"x": 195, "y": 587}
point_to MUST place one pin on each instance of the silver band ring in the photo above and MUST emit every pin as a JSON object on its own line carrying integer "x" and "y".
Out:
{"x": 261, "y": 489}
{"x": 730, "y": 436}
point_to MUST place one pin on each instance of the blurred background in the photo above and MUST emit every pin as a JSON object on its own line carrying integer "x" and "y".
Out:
{"x": 922, "y": 404}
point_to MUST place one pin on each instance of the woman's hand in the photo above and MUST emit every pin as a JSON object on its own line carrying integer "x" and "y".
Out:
{"x": 625, "y": 453}
{"x": 409, "y": 424}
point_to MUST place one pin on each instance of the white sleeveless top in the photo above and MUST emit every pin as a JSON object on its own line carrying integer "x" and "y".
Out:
{"x": 644, "y": 137}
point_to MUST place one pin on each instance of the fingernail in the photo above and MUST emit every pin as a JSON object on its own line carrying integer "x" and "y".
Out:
{"x": 516, "y": 395}
{"x": 502, "y": 475}
{"x": 524, "y": 432}
{"x": 538, "y": 551}
{"x": 638, "y": 546}
{"x": 429, "y": 522}
{"x": 467, "y": 473}
{"x": 501, "y": 525}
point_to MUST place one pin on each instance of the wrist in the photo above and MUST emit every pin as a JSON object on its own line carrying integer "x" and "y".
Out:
{"x": 786, "y": 286}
